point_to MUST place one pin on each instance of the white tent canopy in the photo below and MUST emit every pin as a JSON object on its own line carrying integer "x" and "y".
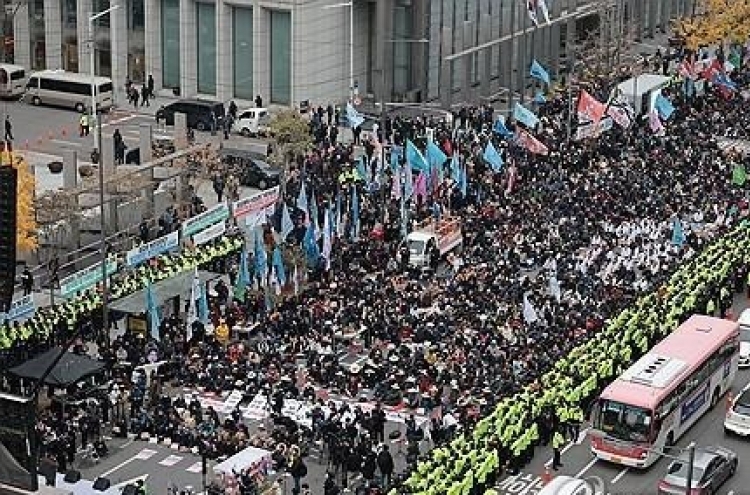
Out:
{"x": 634, "y": 89}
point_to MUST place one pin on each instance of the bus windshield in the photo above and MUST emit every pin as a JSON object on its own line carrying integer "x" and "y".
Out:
{"x": 624, "y": 422}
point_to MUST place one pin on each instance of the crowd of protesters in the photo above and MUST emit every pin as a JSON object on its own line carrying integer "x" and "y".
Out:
{"x": 554, "y": 245}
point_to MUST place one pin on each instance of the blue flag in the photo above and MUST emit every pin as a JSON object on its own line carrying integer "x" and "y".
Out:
{"x": 302, "y": 199}
{"x": 539, "y": 72}
{"x": 312, "y": 251}
{"x": 415, "y": 158}
{"x": 314, "y": 214}
{"x": 464, "y": 182}
{"x": 678, "y": 234}
{"x": 261, "y": 259}
{"x": 500, "y": 129}
{"x": 664, "y": 107}
{"x": 353, "y": 116}
{"x": 154, "y": 315}
{"x": 723, "y": 80}
{"x": 492, "y": 157}
{"x": 525, "y": 116}
{"x": 362, "y": 170}
{"x": 287, "y": 226}
{"x": 355, "y": 214}
{"x": 540, "y": 98}
{"x": 202, "y": 305}
{"x": 396, "y": 152}
{"x": 455, "y": 169}
{"x": 278, "y": 264}
{"x": 435, "y": 156}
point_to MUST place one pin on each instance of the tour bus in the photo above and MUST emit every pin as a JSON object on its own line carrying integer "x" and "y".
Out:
{"x": 665, "y": 392}
{"x": 67, "y": 89}
{"x": 12, "y": 80}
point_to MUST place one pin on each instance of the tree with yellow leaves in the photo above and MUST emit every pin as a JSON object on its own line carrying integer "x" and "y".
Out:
{"x": 26, "y": 228}
{"x": 720, "y": 21}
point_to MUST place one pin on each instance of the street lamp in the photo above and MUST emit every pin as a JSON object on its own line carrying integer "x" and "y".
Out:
{"x": 349, "y": 4}
{"x": 97, "y": 149}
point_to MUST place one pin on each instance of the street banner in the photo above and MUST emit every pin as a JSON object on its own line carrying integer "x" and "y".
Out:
{"x": 591, "y": 130}
{"x": 152, "y": 249}
{"x": 19, "y": 308}
{"x": 85, "y": 279}
{"x": 209, "y": 234}
{"x": 212, "y": 216}
{"x": 255, "y": 204}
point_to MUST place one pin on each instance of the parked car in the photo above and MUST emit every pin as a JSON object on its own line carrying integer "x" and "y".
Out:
{"x": 744, "y": 321}
{"x": 566, "y": 485}
{"x": 253, "y": 122}
{"x": 737, "y": 420}
{"x": 250, "y": 168}
{"x": 198, "y": 113}
{"x": 712, "y": 466}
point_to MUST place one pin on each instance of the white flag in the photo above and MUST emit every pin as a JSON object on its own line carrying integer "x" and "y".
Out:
{"x": 529, "y": 313}
{"x": 193, "y": 307}
{"x": 545, "y": 11}
{"x": 554, "y": 288}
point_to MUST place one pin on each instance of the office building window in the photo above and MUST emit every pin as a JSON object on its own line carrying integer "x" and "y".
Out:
{"x": 281, "y": 57}
{"x": 242, "y": 52}
{"x": 206, "y": 35}
{"x": 170, "y": 43}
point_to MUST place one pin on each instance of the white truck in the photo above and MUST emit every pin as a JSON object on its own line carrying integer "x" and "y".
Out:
{"x": 441, "y": 237}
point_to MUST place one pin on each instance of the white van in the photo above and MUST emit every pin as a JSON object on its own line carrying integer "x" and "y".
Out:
{"x": 440, "y": 238}
{"x": 12, "y": 80}
{"x": 253, "y": 122}
{"x": 68, "y": 89}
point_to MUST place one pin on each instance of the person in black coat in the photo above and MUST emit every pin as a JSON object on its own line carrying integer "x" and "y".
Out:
{"x": 386, "y": 465}
{"x": 369, "y": 466}
{"x": 330, "y": 487}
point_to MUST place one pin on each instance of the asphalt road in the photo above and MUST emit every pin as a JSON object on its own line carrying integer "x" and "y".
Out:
{"x": 619, "y": 480}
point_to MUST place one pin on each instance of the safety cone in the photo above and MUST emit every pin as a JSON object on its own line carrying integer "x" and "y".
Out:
{"x": 546, "y": 476}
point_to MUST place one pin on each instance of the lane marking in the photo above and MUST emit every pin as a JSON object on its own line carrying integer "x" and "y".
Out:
{"x": 65, "y": 143}
{"x": 586, "y": 467}
{"x": 117, "y": 467}
{"x": 128, "y": 443}
{"x": 578, "y": 441}
{"x": 620, "y": 475}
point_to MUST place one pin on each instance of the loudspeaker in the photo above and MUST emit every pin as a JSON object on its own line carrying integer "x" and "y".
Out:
{"x": 130, "y": 490}
{"x": 8, "y": 211}
{"x": 101, "y": 484}
{"x": 48, "y": 469}
{"x": 72, "y": 476}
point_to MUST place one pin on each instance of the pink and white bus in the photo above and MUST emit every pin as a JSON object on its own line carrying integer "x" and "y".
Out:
{"x": 665, "y": 392}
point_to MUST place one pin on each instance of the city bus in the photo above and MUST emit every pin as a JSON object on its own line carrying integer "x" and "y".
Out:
{"x": 664, "y": 393}
{"x": 67, "y": 89}
{"x": 12, "y": 80}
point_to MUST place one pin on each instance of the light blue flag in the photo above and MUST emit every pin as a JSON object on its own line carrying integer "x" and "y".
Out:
{"x": 404, "y": 217}
{"x": 408, "y": 183}
{"x": 202, "y": 305}
{"x": 435, "y": 156}
{"x": 499, "y": 128}
{"x": 314, "y": 214}
{"x": 278, "y": 264}
{"x": 464, "y": 182}
{"x": 525, "y": 116}
{"x": 261, "y": 259}
{"x": 154, "y": 315}
{"x": 455, "y": 169}
{"x": 492, "y": 157}
{"x": 355, "y": 214}
{"x": 302, "y": 200}
{"x": 353, "y": 116}
{"x": 540, "y": 98}
{"x": 664, "y": 107}
{"x": 396, "y": 152}
{"x": 287, "y": 225}
{"x": 678, "y": 234}
{"x": 415, "y": 158}
{"x": 362, "y": 170}
{"x": 539, "y": 72}
{"x": 312, "y": 251}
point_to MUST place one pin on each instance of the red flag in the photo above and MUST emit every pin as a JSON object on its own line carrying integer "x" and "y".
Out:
{"x": 531, "y": 143}
{"x": 589, "y": 108}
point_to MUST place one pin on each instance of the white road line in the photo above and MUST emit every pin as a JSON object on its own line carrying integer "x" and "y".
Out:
{"x": 620, "y": 475}
{"x": 579, "y": 440}
{"x": 117, "y": 467}
{"x": 126, "y": 444}
{"x": 586, "y": 467}
{"x": 66, "y": 143}
{"x": 118, "y": 121}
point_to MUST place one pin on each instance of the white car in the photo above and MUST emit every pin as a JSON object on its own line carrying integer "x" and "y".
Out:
{"x": 737, "y": 420}
{"x": 744, "y": 322}
{"x": 567, "y": 485}
{"x": 253, "y": 122}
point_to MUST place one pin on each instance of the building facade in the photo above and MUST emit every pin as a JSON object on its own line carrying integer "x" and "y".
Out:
{"x": 288, "y": 51}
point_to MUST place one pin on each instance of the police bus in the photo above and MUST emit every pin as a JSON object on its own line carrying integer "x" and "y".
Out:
{"x": 664, "y": 393}
{"x": 68, "y": 89}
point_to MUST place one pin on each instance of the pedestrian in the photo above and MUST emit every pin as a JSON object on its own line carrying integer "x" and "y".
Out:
{"x": 83, "y": 124}
{"x": 258, "y": 101}
{"x": 233, "y": 109}
{"x": 298, "y": 469}
{"x": 558, "y": 440}
{"x": 145, "y": 96}
{"x": 119, "y": 147}
{"x": 386, "y": 465}
{"x": 150, "y": 86}
{"x": 227, "y": 125}
{"x": 8, "y": 129}
{"x": 27, "y": 280}
{"x": 219, "y": 184}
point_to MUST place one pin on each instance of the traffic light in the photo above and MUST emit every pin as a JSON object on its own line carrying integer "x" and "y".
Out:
{"x": 8, "y": 188}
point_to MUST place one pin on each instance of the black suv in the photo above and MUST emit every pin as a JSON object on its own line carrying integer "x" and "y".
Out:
{"x": 250, "y": 168}
{"x": 198, "y": 113}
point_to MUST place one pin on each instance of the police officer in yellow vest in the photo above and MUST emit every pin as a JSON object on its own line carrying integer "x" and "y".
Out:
{"x": 558, "y": 440}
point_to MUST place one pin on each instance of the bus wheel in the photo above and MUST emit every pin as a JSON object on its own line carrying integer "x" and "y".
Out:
{"x": 715, "y": 398}
{"x": 36, "y": 101}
